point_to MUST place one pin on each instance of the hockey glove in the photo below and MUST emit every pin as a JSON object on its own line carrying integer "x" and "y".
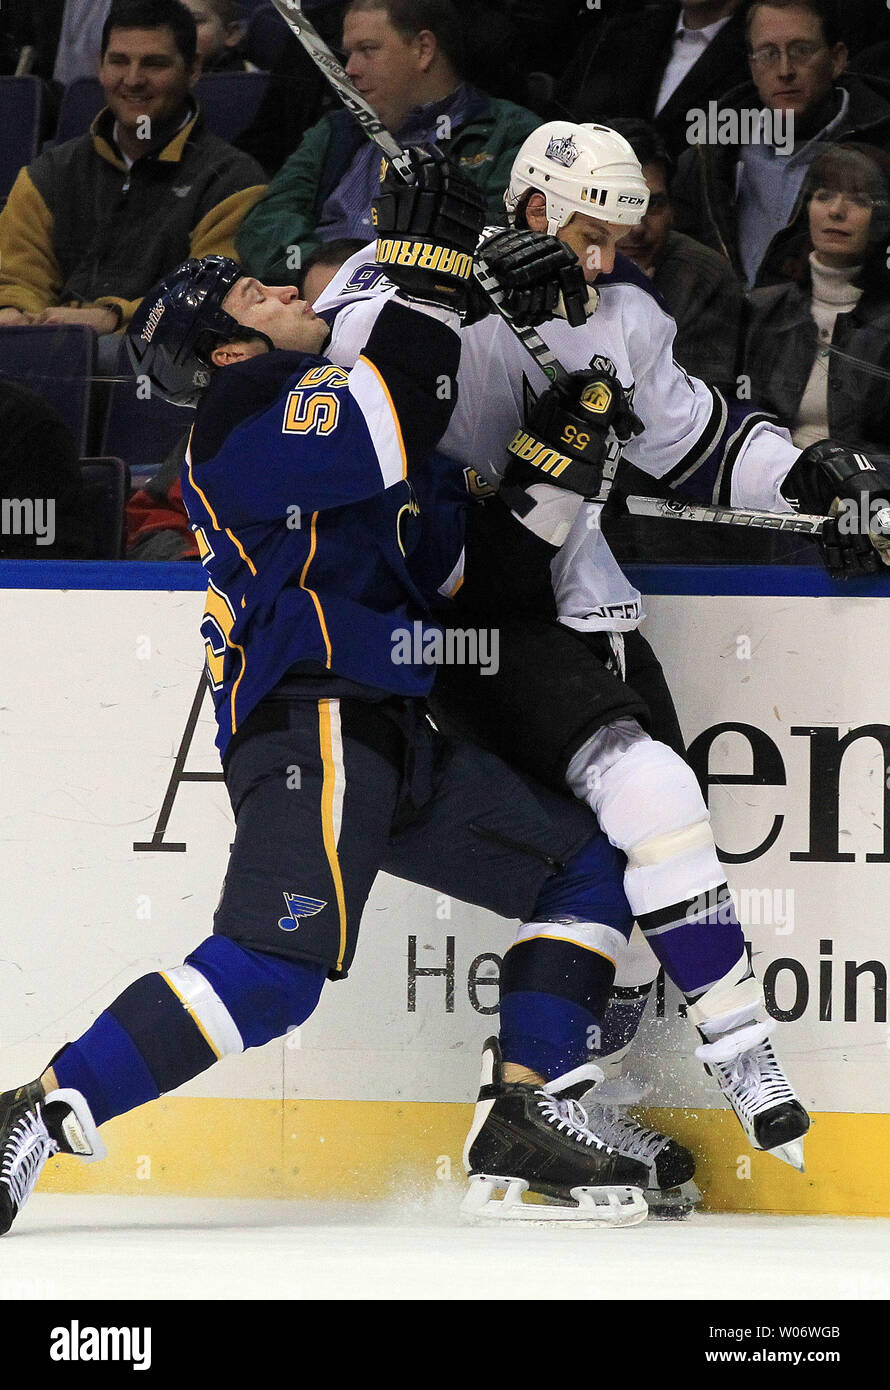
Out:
{"x": 427, "y": 230}
{"x": 540, "y": 278}
{"x": 566, "y": 441}
{"x": 833, "y": 479}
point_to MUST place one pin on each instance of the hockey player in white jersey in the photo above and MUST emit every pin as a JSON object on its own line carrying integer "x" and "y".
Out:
{"x": 594, "y": 709}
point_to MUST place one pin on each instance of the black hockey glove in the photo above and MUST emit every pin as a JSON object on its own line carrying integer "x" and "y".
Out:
{"x": 537, "y": 275}
{"x": 427, "y": 230}
{"x": 568, "y": 433}
{"x": 831, "y": 478}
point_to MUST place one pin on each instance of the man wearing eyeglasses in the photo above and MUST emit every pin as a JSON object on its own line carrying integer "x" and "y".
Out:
{"x": 745, "y": 198}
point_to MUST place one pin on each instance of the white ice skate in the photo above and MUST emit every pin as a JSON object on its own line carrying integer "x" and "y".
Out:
{"x": 749, "y": 1075}
{"x": 732, "y": 1020}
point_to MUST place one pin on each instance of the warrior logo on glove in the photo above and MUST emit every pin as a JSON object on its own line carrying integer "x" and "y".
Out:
{"x": 596, "y": 398}
{"x": 427, "y": 229}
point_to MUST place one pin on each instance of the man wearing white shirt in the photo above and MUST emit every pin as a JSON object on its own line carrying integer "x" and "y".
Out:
{"x": 80, "y": 40}
{"x": 658, "y": 63}
{"x": 700, "y": 22}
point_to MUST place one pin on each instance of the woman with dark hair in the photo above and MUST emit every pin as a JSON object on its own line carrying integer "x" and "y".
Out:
{"x": 818, "y": 347}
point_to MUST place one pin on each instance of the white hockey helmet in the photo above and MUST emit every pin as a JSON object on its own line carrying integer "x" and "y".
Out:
{"x": 579, "y": 168}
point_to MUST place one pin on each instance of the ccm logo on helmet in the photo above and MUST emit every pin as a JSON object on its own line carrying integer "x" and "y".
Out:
{"x": 152, "y": 321}
{"x": 631, "y": 200}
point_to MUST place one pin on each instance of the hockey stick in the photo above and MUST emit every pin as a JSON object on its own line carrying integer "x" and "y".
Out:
{"x": 803, "y": 522}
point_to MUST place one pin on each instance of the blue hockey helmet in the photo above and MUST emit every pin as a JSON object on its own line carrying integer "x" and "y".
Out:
{"x": 178, "y": 324}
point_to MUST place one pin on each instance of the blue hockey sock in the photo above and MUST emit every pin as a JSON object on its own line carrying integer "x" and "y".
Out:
{"x": 553, "y": 995}
{"x": 556, "y": 978}
{"x": 621, "y": 1021}
{"x": 168, "y": 1027}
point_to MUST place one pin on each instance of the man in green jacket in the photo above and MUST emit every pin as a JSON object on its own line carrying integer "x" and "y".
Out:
{"x": 93, "y": 223}
{"x": 405, "y": 57}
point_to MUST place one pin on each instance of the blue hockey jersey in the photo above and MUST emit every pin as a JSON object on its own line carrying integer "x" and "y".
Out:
{"x": 298, "y": 484}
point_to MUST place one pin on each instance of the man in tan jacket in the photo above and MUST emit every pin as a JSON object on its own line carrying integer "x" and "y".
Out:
{"x": 91, "y": 225}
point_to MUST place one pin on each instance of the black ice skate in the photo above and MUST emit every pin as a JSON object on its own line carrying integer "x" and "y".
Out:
{"x": 33, "y": 1127}
{"x": 536, "y": 1138}
{"x": 749, "y": 1075}
{"x": 670, "y": 1191}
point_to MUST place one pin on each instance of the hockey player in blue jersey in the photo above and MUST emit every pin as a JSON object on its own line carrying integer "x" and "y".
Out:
{"x": 300, "y": 483}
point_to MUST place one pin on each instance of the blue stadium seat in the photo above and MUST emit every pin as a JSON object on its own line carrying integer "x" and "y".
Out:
{"x": 57, "y": 362}
{"x": 106, "y": 484}
{"x": 21, "y": 108}
{"x": 141, "y": 431}
{"x": 266, "y": 35}
{"x": 230, "y": 100}
{"x": 82, "y": 100}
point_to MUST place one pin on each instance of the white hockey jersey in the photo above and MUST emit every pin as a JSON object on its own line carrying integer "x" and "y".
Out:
{"x": 715, "y": 450}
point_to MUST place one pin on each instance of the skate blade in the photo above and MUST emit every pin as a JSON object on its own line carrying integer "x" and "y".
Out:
{"x": 673, "y": 1203}
{"x": 492, "y": 1197}
{"x": 791, "y": 1153}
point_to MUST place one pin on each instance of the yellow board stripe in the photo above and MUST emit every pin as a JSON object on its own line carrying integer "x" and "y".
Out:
{"x": 271, "y": 1148}
{"x": 192, "y": 1015}
{"x": 326, "y": 743}
{"x": 395, "y": 419}
{"x": 311, "y": 592}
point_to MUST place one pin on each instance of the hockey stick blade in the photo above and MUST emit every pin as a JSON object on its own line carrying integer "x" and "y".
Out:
{"x": 350, "y": 96}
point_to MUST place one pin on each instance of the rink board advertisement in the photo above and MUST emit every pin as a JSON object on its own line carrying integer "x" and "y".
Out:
{"x": 114, "y": 834}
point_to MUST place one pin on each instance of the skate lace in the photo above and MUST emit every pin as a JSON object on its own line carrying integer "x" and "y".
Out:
{"x": 570, "y": 1117}
{"x": 757, "y": 1079}
{"x": 28, "y": 1147}
{"x": 623, "y": 1133}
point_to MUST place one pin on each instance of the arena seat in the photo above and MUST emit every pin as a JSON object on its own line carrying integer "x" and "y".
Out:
{"x": 58, "y": 362}
{"x": 266, "y": 35}
{"x": 21, "y": 110}
{"x": 106, "y": 486}
{"x": 141, "y": 430}
{"x": 82, "y": 100}
{"x": 229, "y": 101}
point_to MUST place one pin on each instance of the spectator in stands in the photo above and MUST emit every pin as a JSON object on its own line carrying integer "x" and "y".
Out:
{"x": 818, "y": 348}
{"x": 697, "y": 284}
{"x": 65, "y": 35}
{"x": 221, "y": 28}
{"x": 743, "y": 199}
{"x": 92, "y": 224}
{"x": 43, "y": 515}
{"x": 405, "y": 56}
{"x": 658, "y": 64}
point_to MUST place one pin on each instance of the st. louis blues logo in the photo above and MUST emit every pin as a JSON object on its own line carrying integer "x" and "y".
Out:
{"x": 563, "y": 150}
{"x": 299, "y": 907}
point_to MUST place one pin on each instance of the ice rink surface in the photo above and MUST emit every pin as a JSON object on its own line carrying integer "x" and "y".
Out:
{"x": 65, "y": 1247}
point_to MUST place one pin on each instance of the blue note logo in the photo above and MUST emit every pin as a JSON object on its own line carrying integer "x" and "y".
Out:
{"x": 299, "y": 907}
